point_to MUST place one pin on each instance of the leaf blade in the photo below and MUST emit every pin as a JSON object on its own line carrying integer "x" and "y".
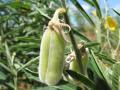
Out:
{"x": 81, "y": 78}
{"x": 83, "y": 12}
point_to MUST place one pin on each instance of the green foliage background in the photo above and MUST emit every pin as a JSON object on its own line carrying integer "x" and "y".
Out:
{"x": 22, "y": 24}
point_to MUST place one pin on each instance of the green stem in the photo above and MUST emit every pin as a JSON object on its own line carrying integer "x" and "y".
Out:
{"x": 77, "y": 52}
{"x": 15, "y": 82}
{"x": 118, "y": 45}
{"x": 98, "y": 30}
{"x": 110, "y": 46}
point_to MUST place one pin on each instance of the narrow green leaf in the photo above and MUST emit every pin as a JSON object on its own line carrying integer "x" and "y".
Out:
{"x": 31, "y": 76}
{"x": 80, "y": 35}
{"x": 118, "y": 13}
{"x": 83, "y": 12}
{"x": 89, "y": 2}
{"x": 8, "y": 53}
{"x": 2, "y": 76}
{"x": 91, "y": 44}
{"x": 83, "y": 79}
{"x": 5, "y": 67}
{"x": 112, "y": 61}
{"x": 64, "y": 85}
{"x": 10, "y": 84}
{"x": 42, "y": 13}
{"x": 21, "y": 5}
{"x": 29, "y": 63}
{"x": 9, "y": 59}
{"x": 96, "y": 65}
{"x": 115, "y": 76}
{"x": 97, "y": 8}
{"x": 33, "y": 39}
{"x": 25, "y": 45}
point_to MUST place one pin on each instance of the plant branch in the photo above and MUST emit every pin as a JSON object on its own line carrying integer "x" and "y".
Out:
{"x": 77, "y": 52}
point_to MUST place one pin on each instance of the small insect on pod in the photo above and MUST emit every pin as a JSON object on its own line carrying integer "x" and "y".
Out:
{"x": 51, "y": 62}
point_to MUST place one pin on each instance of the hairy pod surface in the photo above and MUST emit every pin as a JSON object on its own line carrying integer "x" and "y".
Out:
{"x": 44, "y": 55}
{"x": 56, "y": 58}
{"x": 52, "y": 48}
{"x": 51, "y": 57}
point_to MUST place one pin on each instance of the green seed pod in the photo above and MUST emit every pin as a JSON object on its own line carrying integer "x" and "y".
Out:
{"x": 56, "y": 59}
{"x": 84, "y": 56}
{"x": 52, "y": 48}
{"x": 44, "y": 55}
{"x": 74, "y": 64}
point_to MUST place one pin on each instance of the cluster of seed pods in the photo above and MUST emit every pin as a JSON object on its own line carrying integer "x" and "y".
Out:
{"x": 51, "y": 62}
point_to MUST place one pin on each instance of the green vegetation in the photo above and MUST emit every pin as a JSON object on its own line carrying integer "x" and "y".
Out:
{"x": 95, "y": 41}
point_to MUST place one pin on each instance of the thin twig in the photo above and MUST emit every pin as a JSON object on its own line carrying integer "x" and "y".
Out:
{"x": 77, "y": 52}
{"x": 109, "y": 40}
{"x": 15, "y": 82}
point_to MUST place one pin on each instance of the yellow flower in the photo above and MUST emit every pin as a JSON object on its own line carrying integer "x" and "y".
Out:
{"x": 110, "y": 23}
{"x": 94, "y": 13}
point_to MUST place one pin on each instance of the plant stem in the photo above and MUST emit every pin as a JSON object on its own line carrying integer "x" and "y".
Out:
{"x": 118, "y": 45}
{"x": 15, "y": 82}
{"x": 98, "y": 30}
{"x": 108, "y": 39}
{"x": 12, "y": 68}
{"x": 77, "y": 52}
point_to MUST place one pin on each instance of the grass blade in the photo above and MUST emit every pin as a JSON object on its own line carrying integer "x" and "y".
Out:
{"x": 96, "y": 65}
{"x": 80, "y": 35}
{"x": 116, "y": 12}
{"x": 115, "y": 76}
{"x": 63, "y": 85}
{"x": 112, "y": 61}
{"x": 97, "y": 8}
{"x": 89, "y": 2}
{"x": 81, "y": 78}
{"x": 91, "y": 44}
{"x": 29, "y": 63}
{"x": 83, "y": 12}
